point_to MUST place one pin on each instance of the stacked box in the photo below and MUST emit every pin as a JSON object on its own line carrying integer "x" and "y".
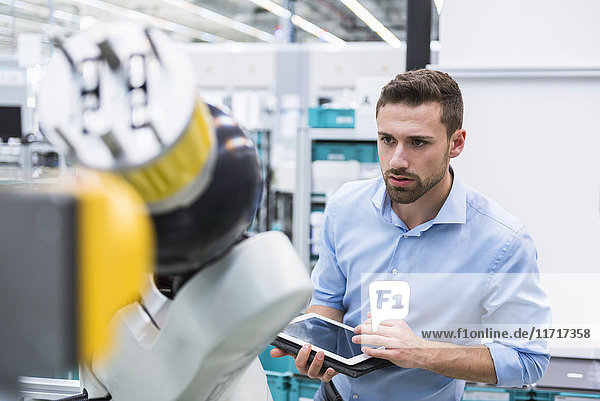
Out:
{"x": 548, "y": 395}
{"x": 483, "y": 393}
{"x": 319, "y": 117}
{"x": 341, "y": 150}
{"x": 279, "y": 385}
{"x": 281, "y": 365}
{"x": 303, "y": 388}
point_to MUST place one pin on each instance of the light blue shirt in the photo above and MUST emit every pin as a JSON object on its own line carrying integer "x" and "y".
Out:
{"x": 472, "y": 265}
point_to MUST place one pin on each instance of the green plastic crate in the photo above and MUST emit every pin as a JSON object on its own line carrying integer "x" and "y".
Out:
{"x": 520, "y": 394}
{"x": 302, "y": 387}
{"x": 545, "y": 395}
{"x": 319, "y": 117}
{"x": 279, "y": 385}
{"x": 281, "y": 365}
{"x": 565, "y": 396}
{"x": 477, "y": 393}
{"x": 361, "y": 151}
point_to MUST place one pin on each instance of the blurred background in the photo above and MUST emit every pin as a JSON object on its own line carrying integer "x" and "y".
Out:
{"x": 303, "y": 76}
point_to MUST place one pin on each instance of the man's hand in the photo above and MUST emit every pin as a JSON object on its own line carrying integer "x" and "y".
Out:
{"x": 314, "y": 370}
{"x": 402, "y": 346}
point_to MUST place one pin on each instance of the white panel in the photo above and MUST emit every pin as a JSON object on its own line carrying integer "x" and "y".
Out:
{"x": 379, "y": 61}
{"x": 368, "y": 89}
{"x": 29, "y": 49}
{"x": 254, "y": 68}
{"x": 533, "y": 146}
{"x": 520, "y": 33}
{"x": 233, "y": 65}
{"x": 331, "y": 67}
{"x": 214, "y": 68}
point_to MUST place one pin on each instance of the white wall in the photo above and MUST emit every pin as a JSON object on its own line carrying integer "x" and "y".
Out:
{"x": 234, "y": 65}
{"x": 13, "y": 89}
{"x": 533, "y": 145}
{"x": 339, "y": 67}
{"x": 499, "y": 33}
{"x": 253, "y": 65}
{"x": 530, "y": 75}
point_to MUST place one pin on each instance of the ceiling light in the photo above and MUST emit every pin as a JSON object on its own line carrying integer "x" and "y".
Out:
{"x": 315, "y": 30}
{"x": 298, "y": 21}
{"x": 273, "y": 7}
{"x": 29, "y": 25}
{"x": 158, "y": 22}
{"x": 221, "y": 19}
{"x": 372, "y": 22}
{"x": 43, "y": 10}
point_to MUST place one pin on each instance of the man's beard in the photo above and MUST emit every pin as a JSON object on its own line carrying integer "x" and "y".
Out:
{"x": 419, "y": 187}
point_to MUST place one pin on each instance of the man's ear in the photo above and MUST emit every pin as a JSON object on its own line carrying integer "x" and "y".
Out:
{"x": 457, "y": 142}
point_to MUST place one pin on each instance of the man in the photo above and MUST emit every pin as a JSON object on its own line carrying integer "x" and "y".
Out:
{"x": 468, "y": 262}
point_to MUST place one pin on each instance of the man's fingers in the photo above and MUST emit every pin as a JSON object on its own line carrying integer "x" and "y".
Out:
{"x": 278, "y": 353}
{"x": 371, "y": 340}
{"x": 367, "y": 328}
{"x": 314, "y": 371}
{"x": 376, "y": 352}
{"x": 390, "y": 322}
{"x": 328, "y": 375}
{"x": 302, "y": 358}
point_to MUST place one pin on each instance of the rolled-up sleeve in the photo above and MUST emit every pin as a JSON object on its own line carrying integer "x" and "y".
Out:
{"x": 515, "y": 367}
{"x": 329, "y": 282}
{"x": 516, "y": 300}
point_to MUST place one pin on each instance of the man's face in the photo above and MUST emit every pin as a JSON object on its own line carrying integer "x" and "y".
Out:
{"x": 414, "y": 151}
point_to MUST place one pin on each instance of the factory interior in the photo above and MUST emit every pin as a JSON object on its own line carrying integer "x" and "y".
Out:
{"x": 166, "y": 168}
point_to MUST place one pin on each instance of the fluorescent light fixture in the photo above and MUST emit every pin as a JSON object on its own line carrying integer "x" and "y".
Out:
{"x": 298, "y": 21}
{"x": 315, "y": 30}
{"x": 273, "y": 7}
{"x": 372, "y": 22}
{"x": 29, "y": 25}
{"x": 43, "y": 10}
{"x": 221, "y": 19}
{"x": 158, "y": 22}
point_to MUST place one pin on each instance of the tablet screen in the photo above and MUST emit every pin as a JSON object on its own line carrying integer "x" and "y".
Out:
{"x": 325, "y": 335}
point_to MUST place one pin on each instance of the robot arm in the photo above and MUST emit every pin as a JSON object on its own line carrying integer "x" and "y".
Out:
{"x": 121, "y": 98}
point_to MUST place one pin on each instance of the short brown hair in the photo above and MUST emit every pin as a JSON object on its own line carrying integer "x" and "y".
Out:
{"x": 417, "y": 87}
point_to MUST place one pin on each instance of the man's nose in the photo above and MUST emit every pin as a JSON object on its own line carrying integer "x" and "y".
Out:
{"x": 399, "y": 158}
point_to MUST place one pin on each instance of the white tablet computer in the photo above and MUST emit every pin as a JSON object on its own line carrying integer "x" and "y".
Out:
{"x": 331, "y": 337}
{"x": 327, "y": 335}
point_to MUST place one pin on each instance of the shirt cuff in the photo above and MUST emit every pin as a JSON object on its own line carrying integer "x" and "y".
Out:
{"x": 334, "y": 305}
{"x": 509, "y": 371}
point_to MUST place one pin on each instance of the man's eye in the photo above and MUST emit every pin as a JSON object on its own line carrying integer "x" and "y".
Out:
{"x": 418, "y": 143}
{"x": 386, "y": 139}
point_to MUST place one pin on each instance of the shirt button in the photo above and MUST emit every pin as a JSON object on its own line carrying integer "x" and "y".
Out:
{"x": 355, "y": 396}
{"x": 406, "y": 236}
{"x": 395, "y": 271}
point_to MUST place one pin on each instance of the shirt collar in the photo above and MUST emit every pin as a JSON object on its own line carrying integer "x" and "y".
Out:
{"x": 453, "y": 211}
{"x": 380, "y": 196}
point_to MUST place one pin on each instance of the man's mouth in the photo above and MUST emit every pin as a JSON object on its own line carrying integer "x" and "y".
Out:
{"x": 399, "y": 181}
